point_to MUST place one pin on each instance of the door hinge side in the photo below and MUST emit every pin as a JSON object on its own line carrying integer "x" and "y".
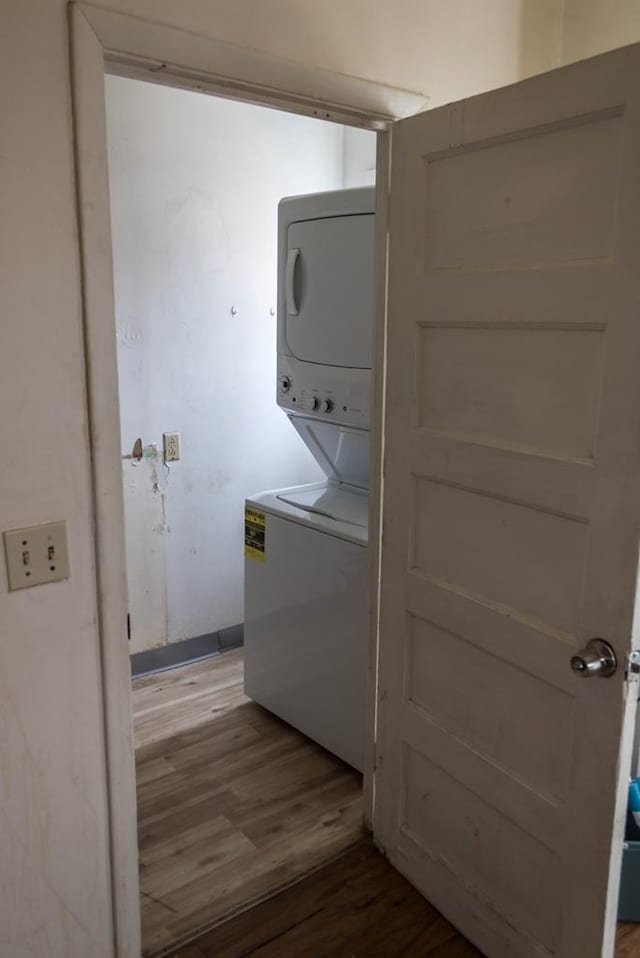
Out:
{"x": 632, "y": 667}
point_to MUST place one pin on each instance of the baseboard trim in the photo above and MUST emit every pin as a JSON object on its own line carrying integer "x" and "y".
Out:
{"x": 187, "y": 651}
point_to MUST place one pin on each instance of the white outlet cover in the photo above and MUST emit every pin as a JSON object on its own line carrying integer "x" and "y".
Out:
{"x": 171, "y": 446}
{"x": 36, "y": 555}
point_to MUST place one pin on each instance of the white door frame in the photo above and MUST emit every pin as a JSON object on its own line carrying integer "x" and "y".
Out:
{"x": 104, "y": 41}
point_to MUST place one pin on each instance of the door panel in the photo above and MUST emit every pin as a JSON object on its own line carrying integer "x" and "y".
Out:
{"x": 533, "y": 387}
{"x": 328, "y": 314}
{"x": 511, "y": 506}
{"x": 542, "y": 199}
{"x": 500, "y": 550}
{"x": 456, "y": 685}
{"x": 456, "y": 825}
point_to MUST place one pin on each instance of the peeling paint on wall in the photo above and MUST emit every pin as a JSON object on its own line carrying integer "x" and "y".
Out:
{"x": 145, "y": 492}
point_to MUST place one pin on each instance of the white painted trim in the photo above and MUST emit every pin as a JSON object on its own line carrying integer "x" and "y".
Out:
{"x": 378, "y": 379}
{"x": 134, "y": 47}
{"x": 102, "y": 386}
{"x": 105, "y": 41}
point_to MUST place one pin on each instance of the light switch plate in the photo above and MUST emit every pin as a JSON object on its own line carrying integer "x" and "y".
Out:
{"x": 36, "y": 555}
{"x": 171, "y": 446}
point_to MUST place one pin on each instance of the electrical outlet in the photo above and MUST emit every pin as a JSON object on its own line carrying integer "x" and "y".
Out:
{"x": 36, "y": 555}
{"x": 171, "y": 446}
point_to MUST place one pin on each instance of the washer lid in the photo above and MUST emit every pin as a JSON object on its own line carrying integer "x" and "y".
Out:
{"x": 276, "y": 503}
{"x": 332, "y": 501}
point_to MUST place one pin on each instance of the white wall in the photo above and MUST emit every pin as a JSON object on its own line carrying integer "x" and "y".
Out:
{"x": 195, "y": 184}
{"x": 359, "y": 158}
{"x": 445, "y": 48}
{"x": 54, "y": 893}
{"x": 590, "y": 27}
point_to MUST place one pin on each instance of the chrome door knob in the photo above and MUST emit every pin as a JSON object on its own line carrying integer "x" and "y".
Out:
{"x": 597, "y": 658}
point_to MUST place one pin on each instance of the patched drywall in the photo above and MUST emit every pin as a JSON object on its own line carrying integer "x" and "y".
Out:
{"x": 146, "y": 526}
{"x": 195, "y": 185}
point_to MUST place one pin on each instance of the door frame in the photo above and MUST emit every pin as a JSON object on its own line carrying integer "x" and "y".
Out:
{"x": 102, "y": 42}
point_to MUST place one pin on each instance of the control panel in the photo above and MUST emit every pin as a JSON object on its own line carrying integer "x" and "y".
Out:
{"x": 330, "y": 393}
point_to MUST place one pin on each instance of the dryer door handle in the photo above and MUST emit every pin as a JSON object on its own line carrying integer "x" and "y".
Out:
{"x": 289, "y": 289}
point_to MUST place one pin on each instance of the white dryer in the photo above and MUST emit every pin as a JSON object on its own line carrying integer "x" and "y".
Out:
{"x": 325, "y": 303}
{"x": 306, "y": 593}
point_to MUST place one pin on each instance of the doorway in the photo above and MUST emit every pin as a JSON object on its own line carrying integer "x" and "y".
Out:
{"x": 107, "y": 43}
{"x": 233, "y": 803}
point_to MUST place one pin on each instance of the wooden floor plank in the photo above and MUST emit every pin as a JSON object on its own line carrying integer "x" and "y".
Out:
{"x": 628, "y": 940}
{"x": 356, "y": 907}
{"x": 232, "y": 802}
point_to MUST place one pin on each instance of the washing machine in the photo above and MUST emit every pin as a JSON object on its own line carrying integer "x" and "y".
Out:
{"x": 306, "y": 613}
{"x": 306, "y": 582}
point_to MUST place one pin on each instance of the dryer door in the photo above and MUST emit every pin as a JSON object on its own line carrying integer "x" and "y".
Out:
{"x": 328, "y": 277}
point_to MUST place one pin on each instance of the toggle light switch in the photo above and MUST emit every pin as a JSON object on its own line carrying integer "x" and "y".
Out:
{"x": 36, "y": 555}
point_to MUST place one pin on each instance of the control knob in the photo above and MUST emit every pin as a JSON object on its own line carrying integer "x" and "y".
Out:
{"x": 285, "y": 384}
{"x": 315, "y": 403}
{"x": 326, "y": 405}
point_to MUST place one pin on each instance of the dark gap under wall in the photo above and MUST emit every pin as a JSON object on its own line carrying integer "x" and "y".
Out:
{"x": 189, "y": 650}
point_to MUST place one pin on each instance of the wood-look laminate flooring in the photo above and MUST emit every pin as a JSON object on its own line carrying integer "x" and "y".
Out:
{"x": 232, "y": 802}
{"x": 358, "y": 906}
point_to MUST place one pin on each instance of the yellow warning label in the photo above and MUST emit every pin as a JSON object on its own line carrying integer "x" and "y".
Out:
{"x": 254, "y": 534}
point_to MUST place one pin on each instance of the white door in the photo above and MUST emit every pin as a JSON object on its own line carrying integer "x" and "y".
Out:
{"x": 512, "y": 505}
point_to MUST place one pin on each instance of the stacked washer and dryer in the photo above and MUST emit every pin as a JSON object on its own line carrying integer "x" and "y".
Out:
{"x": 306, "y": 579}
